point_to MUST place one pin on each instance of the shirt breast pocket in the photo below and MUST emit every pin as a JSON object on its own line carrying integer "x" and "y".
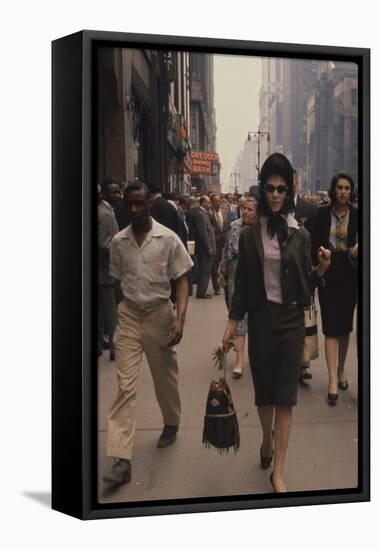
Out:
{"x": 156, "y": 271}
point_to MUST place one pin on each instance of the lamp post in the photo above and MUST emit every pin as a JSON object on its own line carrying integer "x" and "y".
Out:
{"x": 235, "y": 175}
{"x": 259, "y": 134}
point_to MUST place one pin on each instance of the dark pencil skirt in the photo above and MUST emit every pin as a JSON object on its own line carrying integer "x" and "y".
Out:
{"x": 276, "y": 342}
{"x": 338, "y": 297}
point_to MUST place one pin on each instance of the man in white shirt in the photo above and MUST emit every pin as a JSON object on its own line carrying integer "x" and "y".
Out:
{"x": 144, "y": 257}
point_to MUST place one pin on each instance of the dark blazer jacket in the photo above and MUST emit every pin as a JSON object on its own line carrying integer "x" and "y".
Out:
{"x": 163, "y": 212}
{"x": 297, "y": 276}
{"x": 220, "y": 235}
{"x": 205, "y": 233}
{"x": 191, "y": 216}
{"x": 321, "y": 229}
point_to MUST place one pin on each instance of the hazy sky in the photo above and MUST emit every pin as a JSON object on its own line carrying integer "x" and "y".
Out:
{"x": 237, "y": 81}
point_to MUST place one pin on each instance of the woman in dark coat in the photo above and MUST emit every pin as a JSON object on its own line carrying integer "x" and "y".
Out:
{"x": 274, "y": 282}
{"x": 335, "y": 228}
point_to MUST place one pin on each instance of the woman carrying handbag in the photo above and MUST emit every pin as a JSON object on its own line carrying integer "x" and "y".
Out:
{"x": 274, "y": 282}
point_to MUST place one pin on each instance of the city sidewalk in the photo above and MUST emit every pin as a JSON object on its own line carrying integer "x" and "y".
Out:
{"x": 323, "y": 446}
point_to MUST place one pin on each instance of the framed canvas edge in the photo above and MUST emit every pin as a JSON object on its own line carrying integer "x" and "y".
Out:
{"x": 93, "y": 510}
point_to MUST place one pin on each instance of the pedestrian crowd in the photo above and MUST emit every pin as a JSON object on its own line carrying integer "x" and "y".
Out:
{"x": 268, "y": 250}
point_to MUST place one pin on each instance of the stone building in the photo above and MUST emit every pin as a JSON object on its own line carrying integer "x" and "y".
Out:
{"x": 203, "y": 118}
{"x": 142, "y": 117}
{"x": 310, "y": 109}
{"x": 332, "y": 124}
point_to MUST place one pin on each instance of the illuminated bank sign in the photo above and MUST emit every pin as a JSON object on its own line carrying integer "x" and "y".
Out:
{"x": 205, "y": 163}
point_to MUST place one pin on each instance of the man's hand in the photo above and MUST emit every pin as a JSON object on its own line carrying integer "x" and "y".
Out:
{"x": 176, "y": 333}
{"x": 211, "y": 252}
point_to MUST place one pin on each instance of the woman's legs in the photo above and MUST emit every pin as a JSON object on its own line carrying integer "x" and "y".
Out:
{"x": 240, "y": 354}
{"x": 331, "y": 352}
{"x": 283, "y": 422}
{"x": 343, "y": 346}
{"x": 266, "y": 415}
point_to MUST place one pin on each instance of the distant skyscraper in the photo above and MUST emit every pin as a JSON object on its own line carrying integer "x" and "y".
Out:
{"x": 310, "y": 109}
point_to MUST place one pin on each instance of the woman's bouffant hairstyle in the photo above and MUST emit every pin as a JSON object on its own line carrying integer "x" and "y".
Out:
{"x": 276, "y": 165}
{"x": 333, "y": 185}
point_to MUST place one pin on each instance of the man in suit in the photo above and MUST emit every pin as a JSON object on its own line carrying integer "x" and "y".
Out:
{"x": 221, "y": 223}
{"x": 205, "y": 246}
{"x": 112, "y": 193}
{"x": 162, "y": 211}
{"x": 191, "y": 214}
{"x": 305, "y": 212}
{"x": 107, "y": 228}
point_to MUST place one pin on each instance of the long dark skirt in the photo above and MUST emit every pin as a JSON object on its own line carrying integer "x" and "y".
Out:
{"x": 338, "y": 297}
{"x": 276, "y": 342}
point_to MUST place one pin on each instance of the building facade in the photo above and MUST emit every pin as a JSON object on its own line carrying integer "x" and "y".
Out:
{"x": 143, "y": 108}
{"x": 203, "y": 119}
{"x": 332, "y": 124}
{"x": 245, "y": 171}
{"x": 310, "y": 109}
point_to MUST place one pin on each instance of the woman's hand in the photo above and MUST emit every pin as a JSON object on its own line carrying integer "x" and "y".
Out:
{"x": 324, "y": 256}
{"x": 354, "y": 252}
{"x": 229, "y": 334}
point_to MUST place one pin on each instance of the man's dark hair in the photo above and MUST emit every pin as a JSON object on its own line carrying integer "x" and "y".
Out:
{"x": 183, "y": 201}
{"x": 251, "y": 197}
{"x": 333, "y": 185}
{"x": 109, "y": 180}
{"x": 153, "y": 187}
{"x": 214, "y": 196}
{"x": 169, "y": 196}
{"x": 136, "y": 186}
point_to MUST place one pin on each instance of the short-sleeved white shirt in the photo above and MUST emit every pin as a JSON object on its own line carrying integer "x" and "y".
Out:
{"x": 145, "y": 272}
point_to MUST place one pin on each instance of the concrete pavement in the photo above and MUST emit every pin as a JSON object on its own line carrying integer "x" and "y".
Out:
{"x": 323, "y": 446}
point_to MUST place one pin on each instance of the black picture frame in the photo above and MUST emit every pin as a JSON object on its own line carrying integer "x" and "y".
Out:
{"x": 74, "y": 442}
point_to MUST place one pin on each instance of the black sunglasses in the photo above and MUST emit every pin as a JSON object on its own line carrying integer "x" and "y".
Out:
{"x": 270, "y": 188}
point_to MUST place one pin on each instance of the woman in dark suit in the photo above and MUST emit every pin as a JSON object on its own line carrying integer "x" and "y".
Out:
{"x": 335, "y": 228}
{"x": 274, "y": 282}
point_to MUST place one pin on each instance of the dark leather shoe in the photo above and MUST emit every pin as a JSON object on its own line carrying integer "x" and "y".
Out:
{"x": 167, "y": 436}
{"x": 343, "y": 385}
{"x": 217, "y": 292}
{"x": 205, "y": 297}
{"x": 106, "y": 343}
{"x": 266, "y": 460}
{"x": 332, "y": 399}
{"x": 121, "y": 472}
{"x": 305, "y": 374}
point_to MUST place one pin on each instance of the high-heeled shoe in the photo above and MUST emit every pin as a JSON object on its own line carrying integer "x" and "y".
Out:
{"x": 266, "y": 460}
{"x": 343, "y": 385}
{"x": 332, "y": 399}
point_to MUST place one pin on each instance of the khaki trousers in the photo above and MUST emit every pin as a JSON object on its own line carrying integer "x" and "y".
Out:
{"x": 139, "y": 331}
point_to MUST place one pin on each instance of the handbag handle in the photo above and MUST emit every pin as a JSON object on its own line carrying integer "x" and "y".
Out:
{"x": 223, "y": 363}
